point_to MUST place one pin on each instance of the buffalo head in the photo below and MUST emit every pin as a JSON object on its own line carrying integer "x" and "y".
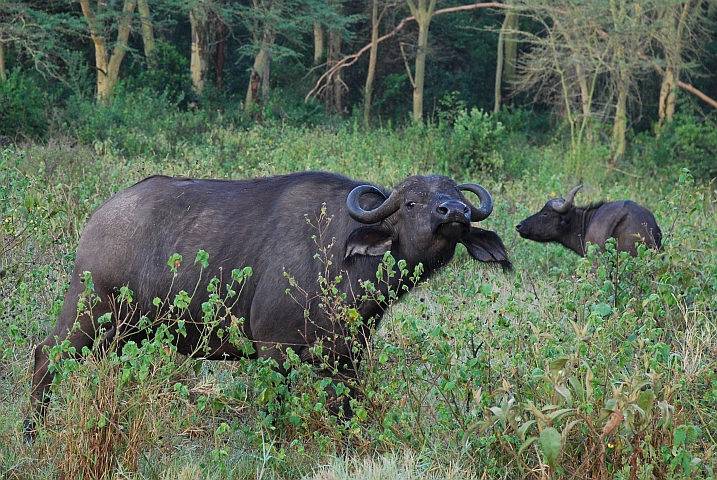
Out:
{"x": 424, "y": 218}
{"x": 551, "y": 222}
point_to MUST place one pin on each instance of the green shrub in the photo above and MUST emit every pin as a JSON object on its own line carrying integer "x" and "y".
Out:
{"x": 169, "y": 74}
{"x": 22, "y": 107}
{"x": 690, "y": 140}
{"x": 469, "y": 141}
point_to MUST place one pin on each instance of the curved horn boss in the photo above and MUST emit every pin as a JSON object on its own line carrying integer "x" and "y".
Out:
{"x": 389, "y": 206}
{"x": 486, "y": 201}
{"x": 568, "y": 202}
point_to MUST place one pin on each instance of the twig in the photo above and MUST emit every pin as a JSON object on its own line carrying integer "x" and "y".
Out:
{"x": 611, "y": 167}
{"x": 347, "y": 61}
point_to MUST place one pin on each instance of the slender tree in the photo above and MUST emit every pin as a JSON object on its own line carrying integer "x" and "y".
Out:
{"x": 422, "y": 11}
{"x": 335, "y": 93}
{"x": 108, "y": 57}
{"x": 147, "y": 31}
{"x": 3, "y": 70}
{"x": 221, "y": 30}
{"x": 319, "y": 43}
{"x": 678, "y": 29}
{"x": 505, "y": 71}
{"x": 199, "y": 59}
{"x": 376, "y": 17}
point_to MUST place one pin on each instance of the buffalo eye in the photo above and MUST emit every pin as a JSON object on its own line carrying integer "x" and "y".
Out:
{"x": 410, "y": 205}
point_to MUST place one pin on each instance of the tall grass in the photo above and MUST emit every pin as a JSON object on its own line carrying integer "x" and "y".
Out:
{"x": 600, "y": 367}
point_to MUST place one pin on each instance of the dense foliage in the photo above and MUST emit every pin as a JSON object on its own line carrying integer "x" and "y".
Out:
{"x": 601, "y": 367}
{"x": 594, "y": 69}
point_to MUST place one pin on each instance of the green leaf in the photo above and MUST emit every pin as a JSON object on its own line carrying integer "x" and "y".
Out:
{"x": 528, "y": 442}
{"x": 646, "y": 400}
{"x": 551, "y": 443}
{"x": 559, "y": 414}
{"x": 668, "y": 413}
{"x": 578, "y": 387}
{"x": 565, "y": 393}
{"x": 679, "y": 438}
{"x": 203, "y": 258}
{"x": 589, "y": 384}
{"x": 524, "y": 428}
{"x": 174, "y": 261}
{"x": 602, "y": 309}
{"x": 557, "y": 365}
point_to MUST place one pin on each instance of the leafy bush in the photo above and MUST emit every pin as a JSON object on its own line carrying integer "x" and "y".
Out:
{"x": 22, "y": 107}
{"x": 690, "y": 140}
{"x": 469, "y": 141}
{"x": 169, "y": 74}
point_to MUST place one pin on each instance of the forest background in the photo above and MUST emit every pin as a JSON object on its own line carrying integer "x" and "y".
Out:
{"x": 567, "y": 368}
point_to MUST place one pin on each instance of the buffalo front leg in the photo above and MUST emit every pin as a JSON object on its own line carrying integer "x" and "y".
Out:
{"x": 78, "y": 334}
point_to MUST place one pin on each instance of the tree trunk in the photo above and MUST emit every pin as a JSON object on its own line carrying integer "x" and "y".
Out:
{"x": 676, "y": 23}
{"x": 508, "y": 57}
{"x": 319, "y": 43}
{"x": 422, "y": 14}
{"x": 147, "y": 31}
{"x": 668, "y": 94}
{"x": 373, "y": 56}
{"x": 108, "y": 68}
{"x": 334, "y": 97}
{"x": 199, "y": 64}
{"x": 221, "y": 54}
{"x": 3, "y": 71}
{"x": 586, "y": 93}
{"x": 259, "y": 73}
{"x": 499, "y": 70}
{"x": 619, "y": 128}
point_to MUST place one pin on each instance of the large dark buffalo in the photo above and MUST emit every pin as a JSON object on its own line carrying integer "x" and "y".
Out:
{"x": 268, "y": 224}
{"x": 560, "y": 221}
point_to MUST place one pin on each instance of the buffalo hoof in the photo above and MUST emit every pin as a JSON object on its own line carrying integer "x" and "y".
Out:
{"x": 29, "y": 431}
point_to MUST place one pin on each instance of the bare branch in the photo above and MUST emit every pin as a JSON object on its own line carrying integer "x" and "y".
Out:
{"x": 349, "y": 60}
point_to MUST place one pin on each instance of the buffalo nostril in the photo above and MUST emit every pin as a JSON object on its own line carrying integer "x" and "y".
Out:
{"x": 517, "y": 227}
{"x": 453, "y": 207}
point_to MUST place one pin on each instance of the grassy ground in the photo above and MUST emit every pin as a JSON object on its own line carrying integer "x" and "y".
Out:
{"x": 566, "y": 368}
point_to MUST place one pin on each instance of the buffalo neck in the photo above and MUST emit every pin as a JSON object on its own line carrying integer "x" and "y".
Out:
{"x": 580, "y": 218}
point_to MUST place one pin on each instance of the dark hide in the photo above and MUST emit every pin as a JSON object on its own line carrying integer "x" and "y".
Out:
{"x": 626, "y": 221}
{"x": 261, "y": 223}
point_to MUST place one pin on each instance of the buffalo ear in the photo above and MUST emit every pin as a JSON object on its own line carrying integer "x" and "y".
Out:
{"x": 370, "y": 241}
{"x": 486, "y": 246}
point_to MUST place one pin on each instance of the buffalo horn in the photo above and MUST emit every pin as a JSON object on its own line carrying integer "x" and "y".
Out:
{"x": 486, "y": 202}
{"x": 568, "y": 202}
{"x": 370, "y": 216}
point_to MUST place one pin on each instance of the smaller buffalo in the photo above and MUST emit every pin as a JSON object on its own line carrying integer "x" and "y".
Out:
{"x": 573, "y": 227}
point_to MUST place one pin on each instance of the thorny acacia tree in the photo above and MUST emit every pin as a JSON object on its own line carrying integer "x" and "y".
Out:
{"x": 39, "y": 35}
{"x": 422, "y": 11}
{"x": 589, "y": 56}
{"x": 677, "y": 33}
{"x": 266, "y": 20}
{"x": 102, "y": 21}
{"x": 505, "y": 69}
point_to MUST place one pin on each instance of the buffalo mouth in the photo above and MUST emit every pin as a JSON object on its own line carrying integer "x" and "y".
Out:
{"x": 453, "y": 229}
{"x": 523, "y": 230}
